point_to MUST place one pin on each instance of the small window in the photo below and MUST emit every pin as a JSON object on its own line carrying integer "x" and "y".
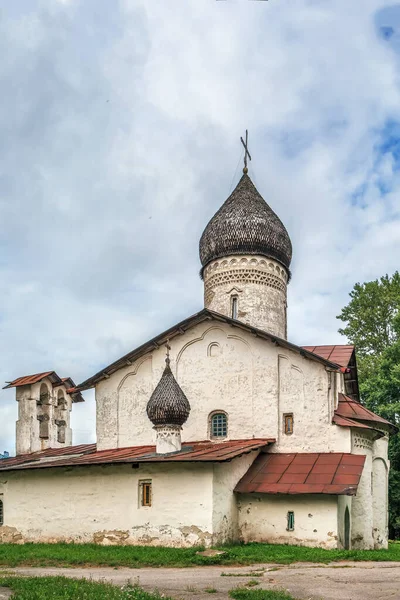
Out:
{"x": 1, "y": 513}
{"x": 234, "y": 306}
{"x": 290, "y": 521}
{"x": 145, "y": 493}
{"x": 219, "y": 425}
{"x": 288, "y": 423}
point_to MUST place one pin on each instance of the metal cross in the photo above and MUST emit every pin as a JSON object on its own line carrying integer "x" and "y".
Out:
{"x": 246, "y": 151}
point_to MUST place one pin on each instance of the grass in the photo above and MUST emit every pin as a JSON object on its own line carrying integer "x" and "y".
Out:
{"x": 81, "y": 555}
{"x": 245, "y": 594}
{"x": 62, "y": 588}
{"x": 211, "y": 590}
{"x": 252, "y": 583}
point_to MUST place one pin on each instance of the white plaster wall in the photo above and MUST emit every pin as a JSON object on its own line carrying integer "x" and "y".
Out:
{"x": 343, "y": 503}
{"x": 220, "y": 366}
{"x": 362, "y": 504}
{"x": 27, "y": 426}
{"x": 260, "y": 285}
{"x": 225, "y": 508}
{"x": 380, "y": 474}
{"x": 101, "y": 504}
{"x": 263, "y": 518}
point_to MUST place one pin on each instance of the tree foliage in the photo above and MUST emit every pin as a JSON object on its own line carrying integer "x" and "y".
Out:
{"x": 369, "y": 319}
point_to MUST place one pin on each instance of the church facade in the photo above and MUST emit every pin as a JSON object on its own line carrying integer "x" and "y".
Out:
{"x": 217, "y": 430}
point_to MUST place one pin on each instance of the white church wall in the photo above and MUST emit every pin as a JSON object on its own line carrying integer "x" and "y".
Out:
{"x": 101, "y": 504}
{"x": 263, "y": 518}
{"x": 225, "y": 508}
{"x": 344, "y": 537}
{"x": 223, "y": 367}
{"x": 362, "y": 505}
{"x": 380, "y": 473}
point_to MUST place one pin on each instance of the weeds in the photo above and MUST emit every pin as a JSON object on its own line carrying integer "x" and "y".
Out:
{"x": 246, "y": 594}
{"x": 56, "y": 588}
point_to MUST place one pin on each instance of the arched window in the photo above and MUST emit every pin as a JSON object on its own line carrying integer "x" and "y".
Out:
{"x": 61, "y": 401}
{"x": 218, "y": 425}
{"x": 1, "y": 513}
{"x": 44, "y": 395}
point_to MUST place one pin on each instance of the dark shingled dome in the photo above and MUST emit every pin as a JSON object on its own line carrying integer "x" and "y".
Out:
{"x": 168, "y": 404}
{"x": 245, "y": 224}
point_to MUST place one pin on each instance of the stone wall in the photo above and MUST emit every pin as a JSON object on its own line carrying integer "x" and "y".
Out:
{"x": 263, "y": 518}
{"x": 259, "y": 285}
{"x": 101, "y": 504}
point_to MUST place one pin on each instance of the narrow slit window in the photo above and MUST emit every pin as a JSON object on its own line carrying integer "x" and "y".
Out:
{"x": 1, "y": 513}
{"x": 234, "y": 307}
{"x": 288, "y": 423}
{"x": 290, "y": 521}
{"x": 145, "y": 493}
{"x": 219, "y": 425}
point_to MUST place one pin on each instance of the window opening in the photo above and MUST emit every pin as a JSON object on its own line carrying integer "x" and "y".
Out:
{"x": 290, "y": 521}
{"x": 234, "y": 307}
{"x": 1, "y": 513}
{"x": 219, "y": 425}
{"x": 288, "y": 423}
{"x": 145, "y": 493}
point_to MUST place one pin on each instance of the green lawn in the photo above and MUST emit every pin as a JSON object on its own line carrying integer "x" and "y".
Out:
{"x": 74, "y": 555}
{"x": 62, "y": 588}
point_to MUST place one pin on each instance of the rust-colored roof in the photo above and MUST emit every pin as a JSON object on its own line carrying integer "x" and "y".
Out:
{"x": 88, "y": 455}
{"x": 355, "y": 411}
{"x": 320, "y": 473}
{"x": 339, "y": 354}
{"x": 55, "y": 380}
{"x": 30, "y": 379}
{"x": 180, "y": 328}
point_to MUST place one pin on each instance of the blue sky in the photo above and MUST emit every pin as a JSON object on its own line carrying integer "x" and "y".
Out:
{"x": 119, "y": 138}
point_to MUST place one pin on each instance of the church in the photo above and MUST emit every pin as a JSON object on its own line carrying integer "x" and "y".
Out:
{"x": 217, "y": 430}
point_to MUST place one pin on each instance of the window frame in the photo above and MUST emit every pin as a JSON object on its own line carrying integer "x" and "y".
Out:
{"x": 286, "y": 428}
{"x": 145, "y": 499}
{"x": 213, "y": 415}
{"x": 290, "y": 520}
{"x": 1, "y": 512}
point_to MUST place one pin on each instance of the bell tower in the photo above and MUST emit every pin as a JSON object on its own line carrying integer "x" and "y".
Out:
{"x": 44, "y": 407}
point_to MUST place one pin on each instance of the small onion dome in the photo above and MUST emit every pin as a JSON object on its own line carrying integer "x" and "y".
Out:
{"x": 245, "y": 224}
{"x": 168, "y": 404}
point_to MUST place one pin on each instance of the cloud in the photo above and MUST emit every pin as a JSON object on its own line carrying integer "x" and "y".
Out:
{"x": 119, "y": 137}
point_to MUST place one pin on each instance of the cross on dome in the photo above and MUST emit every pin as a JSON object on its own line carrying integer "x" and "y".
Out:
{"x": 246, "y": 151}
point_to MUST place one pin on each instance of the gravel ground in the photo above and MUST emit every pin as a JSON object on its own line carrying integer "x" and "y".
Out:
{"x": 337, "y": 581}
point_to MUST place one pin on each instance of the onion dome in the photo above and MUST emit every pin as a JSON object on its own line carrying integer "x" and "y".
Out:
{"x": 245, "y": 224}
{"x": 168, "y": 404}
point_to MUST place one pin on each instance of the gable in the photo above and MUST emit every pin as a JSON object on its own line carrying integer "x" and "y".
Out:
{"x": 180, "y": 329}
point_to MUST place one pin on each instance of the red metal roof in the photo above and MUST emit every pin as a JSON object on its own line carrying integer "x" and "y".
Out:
{"x": 87, "y": 455}
{"x": 339, "y": 354}
{"x": 322, "y": 473}
{"x": 355, "y": 411}
{"x": 30, "y": 379}
{"x": 55, "y": 380}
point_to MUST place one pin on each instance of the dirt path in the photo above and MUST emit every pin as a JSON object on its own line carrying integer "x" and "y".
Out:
{"x": 337, "y": 581}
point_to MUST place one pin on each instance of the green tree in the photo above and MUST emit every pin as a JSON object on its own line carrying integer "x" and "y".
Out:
{"x": 369, "y": 320}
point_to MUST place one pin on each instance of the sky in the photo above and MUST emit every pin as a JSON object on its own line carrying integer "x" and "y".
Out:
{"x": 120, "y": 127}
